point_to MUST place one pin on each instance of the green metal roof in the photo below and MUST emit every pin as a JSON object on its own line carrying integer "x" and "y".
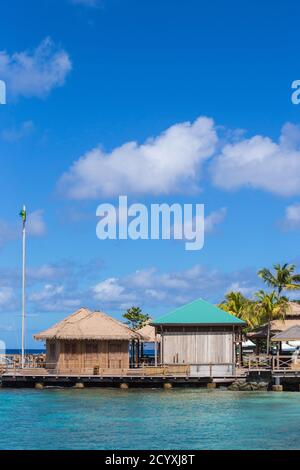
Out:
{"x": 198, "y": 312}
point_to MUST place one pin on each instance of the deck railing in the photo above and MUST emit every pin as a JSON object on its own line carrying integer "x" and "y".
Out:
{"x": 268, "y": 362}
{"x": 258, "y": 362}
{"x": 11, "y": 363}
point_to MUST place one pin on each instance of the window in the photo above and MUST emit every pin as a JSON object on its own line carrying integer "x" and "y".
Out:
{"x": 67, "y": 347}
{"x": 91, "y": 347}
{"x": 70, "y": 347}
{"x": 52, "y": 350}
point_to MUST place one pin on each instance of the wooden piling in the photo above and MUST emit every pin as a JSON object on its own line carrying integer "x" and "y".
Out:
{"x": 124, "y": 386}
{"x": 211, "y": 385}
{"x": 168, "y": 386}
{"x": 79, "y": 385}
{"x": 277, "y": 388}
{"x": 39, "y": 386}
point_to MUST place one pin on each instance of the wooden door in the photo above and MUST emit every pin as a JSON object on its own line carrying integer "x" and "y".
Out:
{"x": 115, "y": 355}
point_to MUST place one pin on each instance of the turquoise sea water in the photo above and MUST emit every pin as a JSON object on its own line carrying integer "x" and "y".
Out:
{"x": 148, "y": 419}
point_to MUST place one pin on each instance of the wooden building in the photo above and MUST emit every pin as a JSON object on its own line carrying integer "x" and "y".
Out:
{"x": 87, "y": 342}
{"x": 201, "y": 335}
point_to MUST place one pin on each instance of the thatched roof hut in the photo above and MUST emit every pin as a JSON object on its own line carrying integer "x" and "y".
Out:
{"x": 86, "y": 342}
{"x": 148, "y": 333}
{"x": 292, "y": 318}
{"x": 87, "y": 325}
{"x": 291, "y": 334}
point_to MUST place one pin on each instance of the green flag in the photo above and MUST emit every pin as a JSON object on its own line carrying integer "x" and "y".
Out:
{"x": 23, "y": 214}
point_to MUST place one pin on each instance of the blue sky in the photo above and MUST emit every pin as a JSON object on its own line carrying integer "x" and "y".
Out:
{"x": 209, "y": 83}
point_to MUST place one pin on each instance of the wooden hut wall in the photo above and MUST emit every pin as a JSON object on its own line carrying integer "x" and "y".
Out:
{"x": 85, "y": 356}
{"x": 52, "y": 354}
{"x": 196, "y": 347}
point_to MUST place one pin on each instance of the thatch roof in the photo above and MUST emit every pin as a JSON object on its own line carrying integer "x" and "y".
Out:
{"x": 87, "y": 325}
{"x": 291, "y": 334}
{"x": 292, "y": 318}
{"x": 276, "y": 327}
{"x": 294, "y": 310}
{"x": 148, "y": 332}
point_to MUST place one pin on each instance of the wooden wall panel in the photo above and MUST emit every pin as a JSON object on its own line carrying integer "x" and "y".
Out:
{"x": 197, "y": 347}
{"x": 85, "y": 356}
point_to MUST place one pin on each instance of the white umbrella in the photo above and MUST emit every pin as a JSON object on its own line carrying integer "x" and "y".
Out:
{"x": 288, "y": 347}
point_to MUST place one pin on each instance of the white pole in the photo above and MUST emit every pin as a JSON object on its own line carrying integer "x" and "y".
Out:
{"x": 23, "y": 289}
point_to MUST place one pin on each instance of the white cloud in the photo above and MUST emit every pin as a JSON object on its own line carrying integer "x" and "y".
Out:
{"x": 261, "y": 163}
{"x": 49, "y": 291}
{"x": 54, "y": 298}
{"x": 110, "y": 292}
{"x": 7, "y": 232}
{"x": 64, "y": 287}
{"x": 168, "y": 163}
{"x": 151, "y": 288}
{"x": 211, "y": 221}
{"x": 36, "y": 227}
{"x": 14, "y": 134}
{"x": 244, "y": 288}
{"x": 108, "y": 289}
{"x": 35, "y": 224}
{"x": 6, "y": 296}
{"x": 292, "y": 217}
{"x": 215, "y": 218}
{"x": 37, "y": 72}
{"x": 174, "y": 162}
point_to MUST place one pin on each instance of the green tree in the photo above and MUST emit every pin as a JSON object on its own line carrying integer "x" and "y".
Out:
{"x": 268, "y": 307}
{"x": 282, "y": 278}
{"x": 136, "y": 319}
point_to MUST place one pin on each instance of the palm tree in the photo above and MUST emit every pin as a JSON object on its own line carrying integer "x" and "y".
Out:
{"x": 284, "y": 277}
{"x": 268, "y": 307}
{"x": 241, "y": 307}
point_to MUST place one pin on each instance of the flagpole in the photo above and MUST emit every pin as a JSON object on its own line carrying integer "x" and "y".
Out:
{"x": 23, "y": 286}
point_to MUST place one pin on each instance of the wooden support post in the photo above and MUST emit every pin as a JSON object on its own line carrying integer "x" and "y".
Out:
{"x": 39, "y": 386}
{"x": 132, "y": 354}
{"x": 79, "y": 385}
{"x": 241, "y": 348}
{"x": 233, "y": 350}
{"x": 138, "y": 353}
{"x": 155, "y": 349}
{"x": 168, "y": 386}
{"x": 162, "y": 358}
{"x": 211, "y": 385}
{"x": 277, "y": 388}
{"x": 124, "y": 386}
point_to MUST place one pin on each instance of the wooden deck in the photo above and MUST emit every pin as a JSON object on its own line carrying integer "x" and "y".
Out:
{"x": 253, "y": 367}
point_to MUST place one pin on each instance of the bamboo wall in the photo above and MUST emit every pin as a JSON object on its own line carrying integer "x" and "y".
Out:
{"x": 87, "y": 356}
